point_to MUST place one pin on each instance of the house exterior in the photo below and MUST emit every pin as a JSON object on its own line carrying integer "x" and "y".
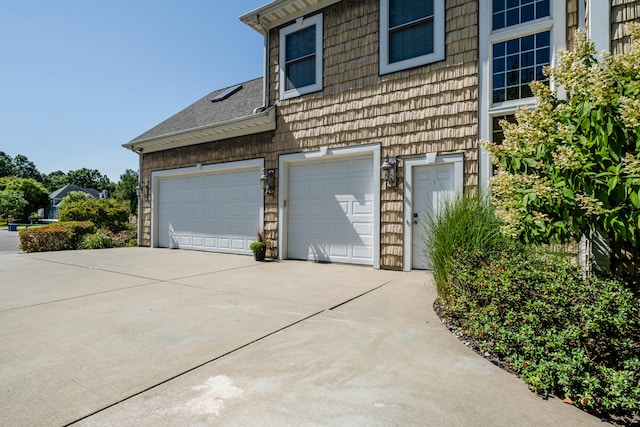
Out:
{"x": 367, "y": 117}
{"x": 55, "y": 197}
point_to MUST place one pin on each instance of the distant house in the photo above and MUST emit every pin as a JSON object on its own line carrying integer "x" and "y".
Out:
{"x": 52, "y": 212}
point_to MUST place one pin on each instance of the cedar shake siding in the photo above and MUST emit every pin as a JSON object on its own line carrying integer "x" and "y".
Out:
{"x": 622, "y": 12}
{"x": 224, "y": 151}
{"x": 573, "y": 21}
{"x": 430, "y": 108}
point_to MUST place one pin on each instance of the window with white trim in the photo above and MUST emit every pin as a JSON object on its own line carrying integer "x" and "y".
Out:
{"x": 518, "y": 38}
{"x": 301, "y": 57}
{"x": 505, "y": 13}
{"x": 411, "y": 33}
{"x": 516, "y": 63}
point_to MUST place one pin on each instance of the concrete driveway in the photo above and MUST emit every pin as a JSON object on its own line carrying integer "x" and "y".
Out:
{"x": 154, "y": 337}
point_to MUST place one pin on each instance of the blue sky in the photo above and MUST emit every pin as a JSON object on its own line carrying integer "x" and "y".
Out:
{"x": 80, "y": 78}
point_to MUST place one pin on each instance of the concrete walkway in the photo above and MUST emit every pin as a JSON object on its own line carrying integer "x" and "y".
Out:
{"x": 154, "y": 337}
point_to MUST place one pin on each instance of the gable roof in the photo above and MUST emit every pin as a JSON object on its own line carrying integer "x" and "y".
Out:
{"x": 237, "y": 112}
{"x": 64, "y": 191}
{"x": 279, "y": 12}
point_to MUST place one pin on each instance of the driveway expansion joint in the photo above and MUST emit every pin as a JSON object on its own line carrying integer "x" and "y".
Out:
{"x": 195, "y": 368}
{"x": 358, "y": 296}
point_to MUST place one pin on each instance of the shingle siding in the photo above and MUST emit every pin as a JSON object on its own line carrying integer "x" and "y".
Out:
{"x": 229, "y": 150}
{"x": 572, "y": 21}
{"x": 432, "y": 108}
{"x": 622, "y": 12}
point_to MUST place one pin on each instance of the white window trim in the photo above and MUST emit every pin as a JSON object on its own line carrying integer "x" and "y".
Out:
{"x": 285, "y": 162}
{"x": 300, "y": 24}
{"x": 430, "y": 159}
{"x": 555, "y": 23}
{"x": 438, "y": 40}
{"x": 156, "y": 176}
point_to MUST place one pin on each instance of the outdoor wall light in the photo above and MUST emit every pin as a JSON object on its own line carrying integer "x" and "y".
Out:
{"x": 142, "y": 190}
{"x": 268, "y": 181}
{"x": 390, "y": 169}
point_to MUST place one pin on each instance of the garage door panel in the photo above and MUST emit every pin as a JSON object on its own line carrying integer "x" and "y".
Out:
{"x": 362, "y": 252}
{"x": 337, "y": 250}
{"x": 363, "y": 229}
{"x": 331, "y": 210}
{"x": 216, "y": 211}
{"x": 359, "y": 208}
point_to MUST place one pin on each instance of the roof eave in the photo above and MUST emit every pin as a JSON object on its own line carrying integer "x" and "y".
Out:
{"x": 263, "y": 121}
{"x": 280, "y": 12}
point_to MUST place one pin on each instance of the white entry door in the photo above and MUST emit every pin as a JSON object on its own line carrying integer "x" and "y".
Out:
{"x": 433, "y": 185}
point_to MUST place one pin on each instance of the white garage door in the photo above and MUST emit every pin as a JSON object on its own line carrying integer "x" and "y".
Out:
{"x": 330, "y": 215}
{"x": 215, "y": 211}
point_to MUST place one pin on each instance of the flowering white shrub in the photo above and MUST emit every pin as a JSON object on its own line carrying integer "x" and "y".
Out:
{"x": 569, "y": 166}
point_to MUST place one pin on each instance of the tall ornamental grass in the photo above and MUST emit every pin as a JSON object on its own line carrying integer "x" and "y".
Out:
{"x": 466, "y": 223}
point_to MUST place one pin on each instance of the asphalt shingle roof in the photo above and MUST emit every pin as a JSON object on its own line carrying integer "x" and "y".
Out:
{"x": 64, "y": 191}
{"x": 203, "y": 112}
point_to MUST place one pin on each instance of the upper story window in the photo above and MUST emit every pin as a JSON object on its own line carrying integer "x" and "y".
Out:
{"x": 516, "y": 63}
{"x": 506, "y": 13}
{"x": 517, "y": 38}
{"x": 411, "y": 33}
{"x": 301, "y": 57}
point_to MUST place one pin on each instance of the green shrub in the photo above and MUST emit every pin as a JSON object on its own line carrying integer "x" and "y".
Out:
{"x": 49, "y": 238}
{"x": 103, "y": 239}
{"x": 564, "y": 335}
{"x": 54, "y": 237}
{"x": 104, "y": 213}
{"x": 465, "y": 224}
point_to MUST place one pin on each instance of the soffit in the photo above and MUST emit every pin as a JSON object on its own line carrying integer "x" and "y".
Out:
{"x": 280, "y": 12}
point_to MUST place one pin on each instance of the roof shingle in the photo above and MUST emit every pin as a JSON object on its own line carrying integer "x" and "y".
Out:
{"x": 203, "y": 112}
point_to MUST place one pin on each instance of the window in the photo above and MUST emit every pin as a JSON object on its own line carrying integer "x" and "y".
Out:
{"x": 301, "y": 57}
{"x": 506, "y": 13}
{"x": 517, "y": 38}
{"x": 411, "y": 33}
{"x": 518, "y": 62}
{"x": 497, "y": 134}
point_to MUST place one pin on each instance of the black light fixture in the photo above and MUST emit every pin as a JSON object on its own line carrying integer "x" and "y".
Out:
{"x": 268, "y": 181}
{"x": 390, "y": 169}
{"x": 142, "y": 190}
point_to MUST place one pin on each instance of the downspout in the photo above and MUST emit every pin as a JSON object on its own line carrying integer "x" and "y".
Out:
{"x": 265, "y": 80}
{"x": 139, "y": 194}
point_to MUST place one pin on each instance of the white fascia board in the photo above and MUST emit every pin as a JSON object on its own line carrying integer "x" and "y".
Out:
{"x": 256, "y": 123}
{"x": 280, "y": 12}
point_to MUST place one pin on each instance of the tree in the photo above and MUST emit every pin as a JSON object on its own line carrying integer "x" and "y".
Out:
{"x": 126, "y": 189}
{"x": 25, "y": 168}
{"x": 55, "y": 180}
{"x": 570, "y": 166}
{"x": 7, "y": 168}
{"x": 72, "y": 197}
{"x": 31, "y": 190}
{"x": 12, "y": 204}
{"x": 90, "y": 178}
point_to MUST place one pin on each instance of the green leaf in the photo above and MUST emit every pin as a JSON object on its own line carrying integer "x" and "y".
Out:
{"x": 568, "y": 193}
{"x": 612, "y": 183}
{"x": 635, "y": 199}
